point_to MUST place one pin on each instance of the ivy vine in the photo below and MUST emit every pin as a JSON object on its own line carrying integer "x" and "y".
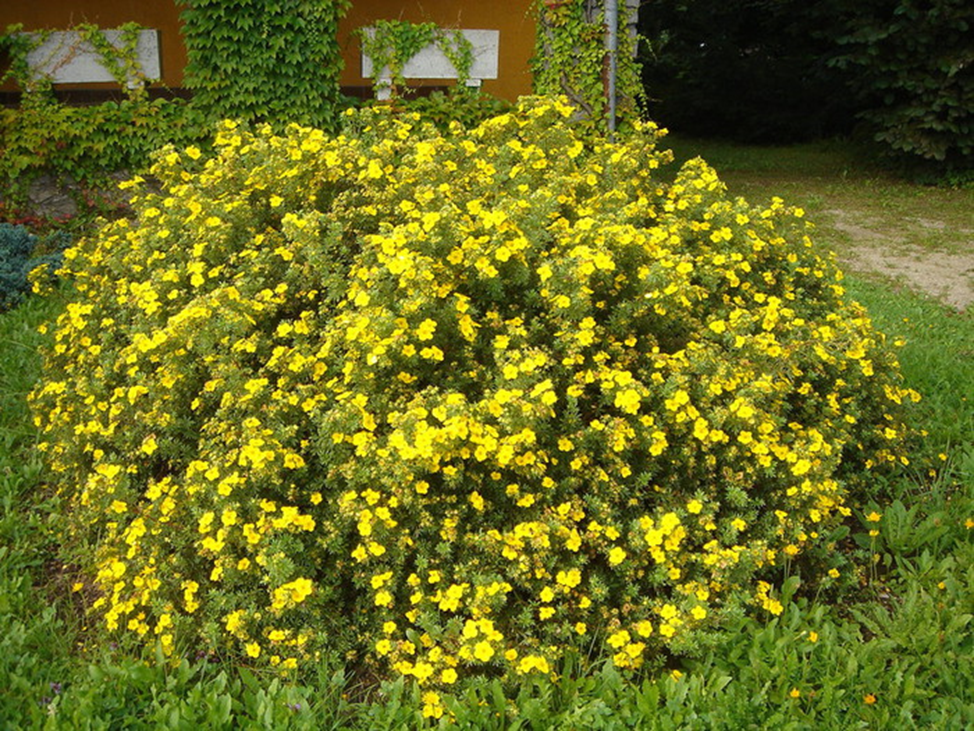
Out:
{"x": 121, "y": 61}
{"x": 16, "y": 46}
{"x": 570, "y": 59}
{"x": 80, "y": 146}
{"x": 392, "y": 43}
{"x": 275, "y": 61}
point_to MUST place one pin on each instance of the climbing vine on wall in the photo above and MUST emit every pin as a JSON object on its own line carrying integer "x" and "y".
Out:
{"x": 121, "y": 61}
{"x": 570, "y": 58}
{"x": 119, "y": 58}
{"x": 392, "y": 43}
{"x": 80, "y": 146}
{"x": 276, "y": 61}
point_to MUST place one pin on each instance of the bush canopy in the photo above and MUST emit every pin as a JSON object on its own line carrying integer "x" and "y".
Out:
{"x": 454, "y": 403}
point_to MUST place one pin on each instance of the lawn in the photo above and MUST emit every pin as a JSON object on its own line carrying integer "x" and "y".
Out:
{"x": 894, "y": 653}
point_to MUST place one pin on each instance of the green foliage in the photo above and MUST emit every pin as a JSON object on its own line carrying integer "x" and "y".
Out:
{"x": 753, "y": 70}
{"x": 87, "y": 144}
{"x": 32, "y": 645}
{"x": 772, "y": 70}
{"x": 456, "y": 405}
{"x": 570, "y": 59}
{"x": 938, "y": 360}
{"x": 273, "y": 61}
{"x": 912, "y": 66}
{"x": 84, "y": 145}
{"x": 392, "y": 43}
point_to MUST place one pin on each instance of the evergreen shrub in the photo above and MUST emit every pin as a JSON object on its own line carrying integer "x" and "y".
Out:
{"x": 25, "y": 259}
{"x": 453, "y": 404}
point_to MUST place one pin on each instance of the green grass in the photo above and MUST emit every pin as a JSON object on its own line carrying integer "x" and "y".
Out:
{"x": 901, "y": 638}
{"x": 32, "y": 650}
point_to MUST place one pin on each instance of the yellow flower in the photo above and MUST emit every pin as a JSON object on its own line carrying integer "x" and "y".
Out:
{"x": 530, "y": 663}
{"x": 570, "y": 578}
{"x": 431, "y": 705}
{"x": 618, "y": 638}
{"x": 801, "y": 467}
{"x": 483, "y": 651}
{"x": 253, "y": 649}
{"x": 426, "y": 329}
{"x": 616, "y": 556}
{"x": 628, "y": 400}
{"x": 448, "y": 676}
{"x": 477, "y": 501}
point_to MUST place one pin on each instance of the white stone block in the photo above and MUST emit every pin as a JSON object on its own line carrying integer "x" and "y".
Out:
{"x": 432, "y": 63}
{"x": 67, "y": 59}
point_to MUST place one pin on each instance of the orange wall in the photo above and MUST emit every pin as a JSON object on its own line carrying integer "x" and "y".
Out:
{"x": 162, "y": 15}
{"x": 511, "y": 18}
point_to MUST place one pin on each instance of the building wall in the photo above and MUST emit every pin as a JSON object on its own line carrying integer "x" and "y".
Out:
{"x": 511, "y": 18}
{"x": 163, "y": 15}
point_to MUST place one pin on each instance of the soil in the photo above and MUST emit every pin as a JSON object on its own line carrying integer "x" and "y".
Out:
{"x": 944, "y": 275}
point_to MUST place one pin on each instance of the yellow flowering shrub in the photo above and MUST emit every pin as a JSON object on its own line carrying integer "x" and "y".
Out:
{"x": 452, "y": 403}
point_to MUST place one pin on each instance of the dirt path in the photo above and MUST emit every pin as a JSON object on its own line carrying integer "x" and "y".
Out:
{"x": 945, "y": 275}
